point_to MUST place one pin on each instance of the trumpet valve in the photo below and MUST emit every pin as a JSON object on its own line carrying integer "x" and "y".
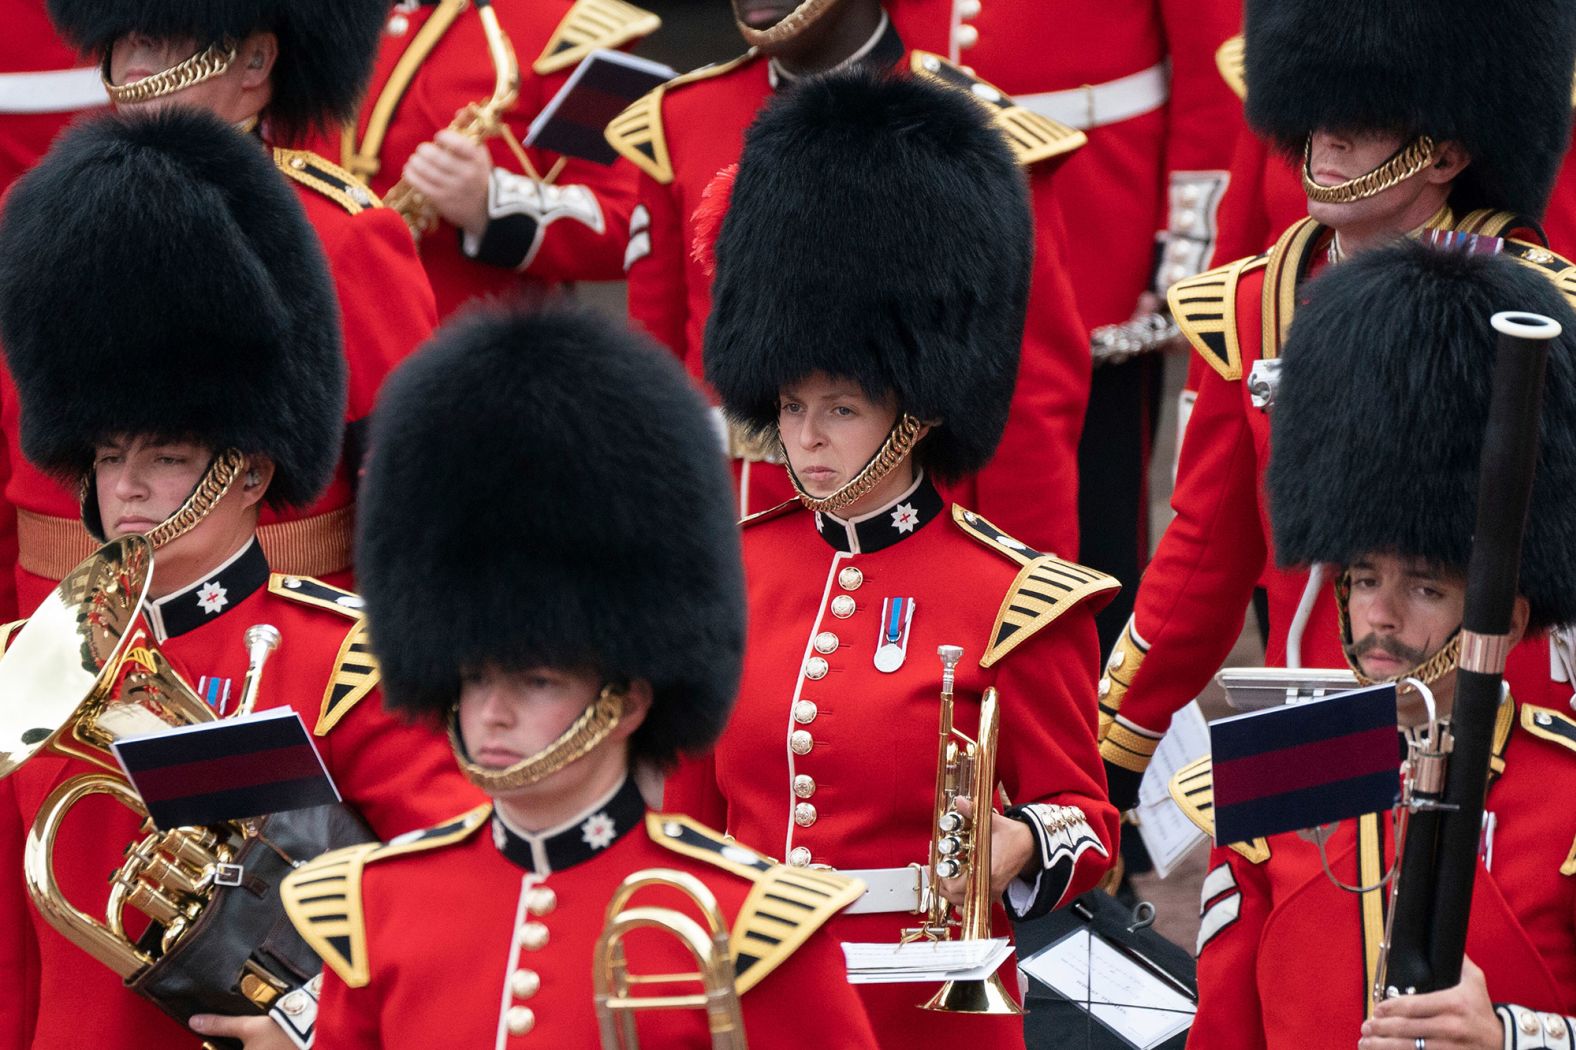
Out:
{"x": 948, "y": 868}
{"x": 197, "y": 847}
{"x": 155, "y": 905}
{"x": 170, "y": 876}
{"x": 952, "y": 822}
{"x": 949, "y": 846}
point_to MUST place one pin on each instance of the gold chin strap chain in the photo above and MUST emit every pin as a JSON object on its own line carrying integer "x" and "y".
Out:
{"x": 204, "y": 65}
{"x": 899, "y": 443}
{"x": 1402, "y": 165}
{"x": 221, "y": 474}
{"x": 1428, "y": 672}
{"x": 787, "y": 27}
{"x": 599, "y": 719}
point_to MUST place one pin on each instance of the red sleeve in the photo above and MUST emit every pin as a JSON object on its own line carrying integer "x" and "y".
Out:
{"x": 385, "y": 303}
{"x": 18, "y": 949}
{"x": 1195, "y": 593}
{"x": 1030, "y": 487}
{"x": 692, "y": 789}
{"x": 656, "y": 264}
{"x": 775, "y": 1014}
{"x": 1048, "y": 759}
{"x": 9, "y": 610}
{"x": 1244, "y": 217}
{"x": 1235, "y": 904}
{"x": 398, "y": 775}
{"x": 347, "y": 1018}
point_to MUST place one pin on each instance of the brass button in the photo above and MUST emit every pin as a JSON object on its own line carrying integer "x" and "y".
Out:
{"x": 804, "y": 814}
{"x": 534, "y": 936}
{"x": 1554, "y": 1026}
{"x": 541, "y": 901}
{"x": 1543, "y": 718}
{"x": 297, "y": 163}
{"x": 800, "y": 742}
{"x": 850, "y": 579}
{"x": 1529, "y": 1023}
{"x": 826, "y": 643}
{"x": 519, "y": 1019}
{"x": 1190, "y": 196}
{"x": 843, "y": 607}
{"x": 1118, "y": 658}
{"x": 815, "y": 668}
{"x": 524, "y": 983}
{"x": 968, "y": 8}
{"x": 804, "y": 712}
{"x": 966, "y": 36}
{"x": 1105, "y": 687}
{"x": 804, "y": 785}
{"x": 799, "y": 857}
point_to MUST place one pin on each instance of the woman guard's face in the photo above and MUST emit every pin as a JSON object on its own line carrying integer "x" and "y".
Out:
{"x": 830, "y": 428}
{"x": 506, "y": 716}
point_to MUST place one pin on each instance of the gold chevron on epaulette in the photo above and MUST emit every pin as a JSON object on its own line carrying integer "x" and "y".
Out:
{"x": 309, "y": 590}
{"x": 593, "y": 24}
{"x": 636, "y": 134}
{"x": 1554, "y": 726}
{"x": 1231, "y": 60}
{"x": 1205, "y": 309}
{"x": 323, "y": 902}
{"x": 1193, "y": 790}
{"x": 782, "y": 910}
{"x": 356, "y": 673}
{"x": 327, "y": 178}
{"x": 691, "y": 838}
{"x": 1033, "y": 138}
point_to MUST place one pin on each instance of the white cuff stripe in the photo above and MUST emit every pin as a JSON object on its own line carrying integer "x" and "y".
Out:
{"x": 1218, "y": 881}
{"x": 1220, "y": 915}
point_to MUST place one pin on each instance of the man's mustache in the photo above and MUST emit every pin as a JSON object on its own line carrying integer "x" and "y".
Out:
{"x": 1386, "y": 644}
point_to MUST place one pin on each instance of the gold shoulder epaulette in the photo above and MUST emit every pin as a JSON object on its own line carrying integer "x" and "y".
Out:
{"x": 1205, "y": 309}
{"x": 1193, "y": 790}
{"x": 1230, "y": 60}
{"x": 323, "y": 898}
{"x": 356, "y": 670}
{"x": 1044, "y": 589}
{"x": 1490, "y": 222}
{"x": 327, "y": 178}
{"x": 1033, "y": 138}
{"x": 593, "y": 24}
{"x": 1555, "y": 267}
{"x": 784, "y": 906}
{"x": 636, "y": 133}
{"x": 785, "y": 507}
{"x": 1553, "y": 726}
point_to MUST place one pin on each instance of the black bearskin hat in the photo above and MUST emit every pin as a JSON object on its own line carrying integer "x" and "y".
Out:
{"x": 1494, "y": 76}
{"x": 879, "y": 230}
{"x": 158, "y": 277}
{"x": 547, "y": 490}
{"x": 1381, "y": 409}
{"x": 326, "y": 47}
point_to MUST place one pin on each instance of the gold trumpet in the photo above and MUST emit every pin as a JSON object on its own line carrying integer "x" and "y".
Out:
{"x": 477, "y": 121}
{"x": 82, "y": 673}
{"x": 616, "y": 1002}
{"x": 960, "y": 845}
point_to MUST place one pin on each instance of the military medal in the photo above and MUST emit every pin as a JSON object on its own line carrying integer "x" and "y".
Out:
{"x": 897, "y": 614}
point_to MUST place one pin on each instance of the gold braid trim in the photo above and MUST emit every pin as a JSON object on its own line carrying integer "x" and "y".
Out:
{"x": 590, "y": 729}
{"x": 221, "y": 474}
{"x": 204, "y": 65}
{"x": 899, "y": 443}
{"x": 1402, "y": 165}
{"x": 787, "y": 27}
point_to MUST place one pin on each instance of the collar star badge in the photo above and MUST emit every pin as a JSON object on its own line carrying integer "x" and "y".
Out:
{"x": 212, "y": 597}
{"x": 598, "y": 831}
{"x": 905, "y": 517}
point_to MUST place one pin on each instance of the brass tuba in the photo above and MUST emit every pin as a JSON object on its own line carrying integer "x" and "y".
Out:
{"x": 477, "y": 121}
{"x": 616, "y": 1002}
{"x": 83, "y": 672}
{"x": 960, "y": 845}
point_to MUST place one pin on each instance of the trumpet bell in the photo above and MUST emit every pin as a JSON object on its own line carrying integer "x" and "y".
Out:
{"x": 988, "y": 996}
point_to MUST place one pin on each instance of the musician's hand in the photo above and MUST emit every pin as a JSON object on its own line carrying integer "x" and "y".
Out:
{"x": 1459, "y": 1018}
{"x": 255, "y": 1033}
{"x": 453, "y": 171}
{"x": 1011, "y": 849}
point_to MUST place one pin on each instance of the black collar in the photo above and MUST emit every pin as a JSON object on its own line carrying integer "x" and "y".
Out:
{"x": 212, "y": 596}
{"x": 883, "y": 50}
{"x": 575, "y": 841}
{"x": 882, "y": 528}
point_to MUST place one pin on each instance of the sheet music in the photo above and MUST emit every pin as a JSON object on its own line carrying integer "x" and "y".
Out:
{"x": 1167, "y": 833}
{"x": 1116, "y": 990}
{"x": 924, "y": 961}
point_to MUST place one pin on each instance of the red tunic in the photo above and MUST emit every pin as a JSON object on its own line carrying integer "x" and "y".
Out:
{"x": 1192, "y": 599}
{"x": 585, "y": 243}
{"x": 386, "y": 311}
{"x": 1268, "y": 925}
{"x": 397, "y": 776}
{"x": 34, "y": 108}
{"x": 1030, "y": 487}
{"x": 451, "y": 960}
{"x": 831, "y": 761}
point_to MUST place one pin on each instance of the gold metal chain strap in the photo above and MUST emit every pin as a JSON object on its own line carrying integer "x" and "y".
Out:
{"x": 221, "y": 474}
{"x": 1402, "y": 165}
{"x": 899, "y": 443}
{"x": 204, "y": 65}
{"x": 590, "y": 729}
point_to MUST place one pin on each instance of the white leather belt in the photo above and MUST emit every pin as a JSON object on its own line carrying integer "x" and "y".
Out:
{"x": 52, "y": 91}
{"x": 888, "y": 890}
{"x": 1095, "y": 105}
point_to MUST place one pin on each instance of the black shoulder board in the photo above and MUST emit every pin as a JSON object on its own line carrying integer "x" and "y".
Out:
{"x": 1033, "y": 138}
{"x": 310, "y": 591}
{"x": 1553, "y": 726}
{"x": 327, "y": 178}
